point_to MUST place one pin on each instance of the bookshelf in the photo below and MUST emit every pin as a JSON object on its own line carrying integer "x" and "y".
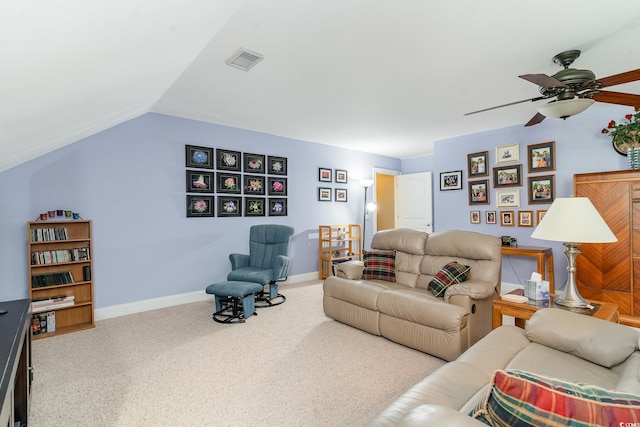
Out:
{"x": 61, "y": 276}
{"x": 338, "y": 243}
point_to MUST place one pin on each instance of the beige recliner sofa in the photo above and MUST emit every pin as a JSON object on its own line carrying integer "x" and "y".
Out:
{"x": 406, "y": 311}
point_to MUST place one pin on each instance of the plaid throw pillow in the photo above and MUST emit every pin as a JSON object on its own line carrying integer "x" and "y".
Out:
{"x": 448, "y": 275}
{"x": 518, "y": 398}
{"x": 380, "y": 265}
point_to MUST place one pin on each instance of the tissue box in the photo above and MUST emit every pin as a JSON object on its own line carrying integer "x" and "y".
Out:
{"x": 536, "y": 290}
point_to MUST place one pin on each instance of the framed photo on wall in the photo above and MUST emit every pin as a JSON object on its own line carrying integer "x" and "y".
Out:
{"x": 324, "y": 194}
{"x": 277, "y": 207}
{"x": 508, "y": 153}
{"x": 341, "y": 176}
{"x": 479, "y": 192}
{"x": 276, "y": 165}
{"x": 474, "y": 217}
{"x": 477, "y": 164}
{"x": 229, "y": 206}
{"x": 198, "y": 157}
{"x": 525, "y": 218}
{"x": 254, "y": 206}
{"x": 506, "y": 218}
{"x": 490, "y": 217}
{"x": 324, "y": 174}
{"x": 254, "y": 184}
{"x": 451, "y": 180}
{"x": 199, "y": 206}
{"x": 507, "y": 176}
{"x": 508, "y": 198}
{"x": 200, "y": 182}
{"x": 228, "y": 182}
{"x": 541, "y": 157}
{"x": 277, "y": 186}
{"x": 253, "y": 163}
{"x": 341, "y": 194}
{"x": 540, "y": 215}
{"x": 228, "y": 160}
{"x": 541, "y": 189}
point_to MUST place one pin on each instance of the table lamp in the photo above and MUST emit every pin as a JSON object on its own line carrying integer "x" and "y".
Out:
{"x": 573, "y": 221}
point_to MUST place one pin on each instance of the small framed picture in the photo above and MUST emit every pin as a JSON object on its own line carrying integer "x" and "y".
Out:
{"x": 341, "y": 194}
{"x": 507, "y": 176}
{"x": 541, "y": 189}
{"x": 477, "y": 164}
{"x": 508, "y": 198}
{"x": 199, "y": 157}
{"x": 324, "y": 194}
{"x": 254, "y": 184}
{"x": 276, "y": 165}
{"x": 525, "y": 218}
{"x": 228, "y": 183}
{"x": 341, "y": 176}
{"x": 277, "y": 207}
{"x": 199, "y": 206}
{"x": 228, "y": 160}
{"x": 324, "y": 174}
{"x": 254, "y": 206}
{"x": 451, "y": 180}
{"x": 506, "y": 218}
{"x": 253, "y": 163}
{"x": 540, "y": 215}
{"x": 200, "y": 182}
{"x": 277, "y": 186}
{"x": 490, "y": 217}
{"x": 508, "y": 153}
{"x": 229, "y": 206}
{"x": 478, "y": 192}
{"x": 541, "y": 157}
{"x": 474, "y": 217}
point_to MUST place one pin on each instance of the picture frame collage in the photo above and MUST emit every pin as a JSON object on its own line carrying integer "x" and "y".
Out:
{"x": 229, "y": 183}
{"x": 330, "y": 194}
{"x": 508, "y": 178}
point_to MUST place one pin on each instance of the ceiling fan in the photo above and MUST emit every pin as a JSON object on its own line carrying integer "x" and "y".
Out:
{"x": 574, "y": 90}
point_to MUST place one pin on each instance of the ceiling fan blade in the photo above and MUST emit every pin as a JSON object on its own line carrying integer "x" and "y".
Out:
{"x": 618, "y": 79}
{"x": 618, "y": 98}
{"x": 535, "y": 120}
{"x": 506, "y": 105}
{"x": 543, "y": 80}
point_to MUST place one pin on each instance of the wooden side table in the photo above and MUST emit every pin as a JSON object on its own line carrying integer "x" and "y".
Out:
{"x": 523, "y": 311}
{"x": 542, "y": 255}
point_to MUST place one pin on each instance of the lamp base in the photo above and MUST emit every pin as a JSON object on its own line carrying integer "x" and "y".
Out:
{"x": 580, "y": 303}
{"x": 570, "y": 296}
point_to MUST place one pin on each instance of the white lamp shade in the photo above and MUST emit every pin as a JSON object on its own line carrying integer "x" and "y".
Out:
{"x": 573, "y": 219}
{"x": 366, "y": 183}
{"x": 565, "y": 108}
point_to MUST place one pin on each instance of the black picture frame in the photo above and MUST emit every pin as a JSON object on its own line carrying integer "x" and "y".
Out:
{"x": 228, "y": 160}
{"x": 541, "y": 157}
{"x": 277, "y": 186}
{"x": 253, "y": 163}
{"x": 200, "y": 181}
{"x": 341, "y": 176}
{"x": 341, "y": 195}
{"x": 541, "y": 189}
{"x": 254, "y": 185}
{"x": 325, "y": 174}
{"x": 507, "y": 176}
{"x": 255, "y": 206}
{"x": 230, "y": 183}
{"x": 324, "y": 194}
{"x": 451, "y": 180}
{"x": 479, "y": 192}
{"x": 229, "y": 206}
{"x": 478, "y": 164}
{"x": 198, "y": 157}
{"x": 277, "y": 206}
{"x": 276, "y": 165}
{"x": 199, "y": 206}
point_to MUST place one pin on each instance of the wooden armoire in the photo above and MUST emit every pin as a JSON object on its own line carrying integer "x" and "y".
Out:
{"x": 610, "y": 272}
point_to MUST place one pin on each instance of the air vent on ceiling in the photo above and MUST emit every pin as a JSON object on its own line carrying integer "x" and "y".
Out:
{"x": 244, "y": 59}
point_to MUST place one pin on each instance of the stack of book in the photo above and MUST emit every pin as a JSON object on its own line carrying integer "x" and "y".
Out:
{"x": 49, "y": 234}
{"x": 52, "y": 303}
{"x": 60, "y": 255}
{"x": 43, "y": 322}
{"x": 52, "y": 279}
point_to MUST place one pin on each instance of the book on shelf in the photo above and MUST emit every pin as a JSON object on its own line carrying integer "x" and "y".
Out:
{"x": 49, "y": 234}
{"x": 39, "y": 323}
{"x": 60, "y": 255}
{"x": 52, "y": 279}
{"x": 53, "y": 303}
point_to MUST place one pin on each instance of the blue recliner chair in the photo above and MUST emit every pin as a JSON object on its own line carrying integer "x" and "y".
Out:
{"x": 267, "y": 262}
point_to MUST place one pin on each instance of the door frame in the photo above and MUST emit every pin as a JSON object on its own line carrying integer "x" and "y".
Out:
{"x": 382, "y": 171}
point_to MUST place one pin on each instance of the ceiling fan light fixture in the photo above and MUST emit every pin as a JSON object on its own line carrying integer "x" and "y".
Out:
{"x": 565, "y": 108}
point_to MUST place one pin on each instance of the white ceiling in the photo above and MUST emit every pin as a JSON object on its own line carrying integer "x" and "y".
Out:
{"x": 383, "y": 76}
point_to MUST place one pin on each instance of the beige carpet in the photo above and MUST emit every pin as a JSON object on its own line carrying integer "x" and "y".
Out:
{"x": 290, "y": 365}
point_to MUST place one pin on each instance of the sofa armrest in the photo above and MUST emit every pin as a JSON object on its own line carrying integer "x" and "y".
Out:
{"x": 238, "y": 261}
{"x": 281, "y": 267}
{"x": 473, "y": 289}
{"x": 437, "y": 416}
{"x": 351, "y": 270}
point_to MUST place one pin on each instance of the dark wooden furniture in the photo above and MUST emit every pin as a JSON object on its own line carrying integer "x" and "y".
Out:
{"x": 522, "y": 311}
{"x": 610, "y": 272}
{"x": 15, "y": 362}
{"x": 542, "y": 255}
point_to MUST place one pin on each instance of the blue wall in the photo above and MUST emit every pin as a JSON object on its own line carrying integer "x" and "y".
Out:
{"x": 130, "y": 181}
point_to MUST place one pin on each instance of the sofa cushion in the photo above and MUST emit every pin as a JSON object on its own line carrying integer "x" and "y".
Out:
{"x": 448, "y": 275}
{"x": 379, "y": 265}
{"x": 520, "y": 398}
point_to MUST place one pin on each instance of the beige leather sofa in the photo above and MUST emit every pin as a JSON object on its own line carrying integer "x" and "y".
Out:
{"x": 406, "y": 311}
{"x": 555, "y": 343}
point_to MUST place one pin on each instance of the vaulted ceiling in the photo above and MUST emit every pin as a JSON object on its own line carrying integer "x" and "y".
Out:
{"x": 384, "y": 76}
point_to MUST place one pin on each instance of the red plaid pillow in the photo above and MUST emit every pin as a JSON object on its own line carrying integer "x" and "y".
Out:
{"x": 448, "y": 275}
{"x": 380, "y": 265}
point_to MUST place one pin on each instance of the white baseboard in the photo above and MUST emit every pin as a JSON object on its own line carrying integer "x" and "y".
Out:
{"x": 171, "y": 300}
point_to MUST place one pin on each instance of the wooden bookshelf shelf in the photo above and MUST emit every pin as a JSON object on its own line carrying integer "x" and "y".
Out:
{"x": 338, "y": 243}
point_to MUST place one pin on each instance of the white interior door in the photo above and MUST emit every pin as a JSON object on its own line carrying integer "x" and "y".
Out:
{"x": 414, "y": 201}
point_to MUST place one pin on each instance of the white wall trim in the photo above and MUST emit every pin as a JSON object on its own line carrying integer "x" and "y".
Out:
{"x": 171, "y": 300}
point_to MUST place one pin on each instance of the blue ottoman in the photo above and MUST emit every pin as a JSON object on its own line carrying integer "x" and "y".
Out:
{"x": 235, "y": 301}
